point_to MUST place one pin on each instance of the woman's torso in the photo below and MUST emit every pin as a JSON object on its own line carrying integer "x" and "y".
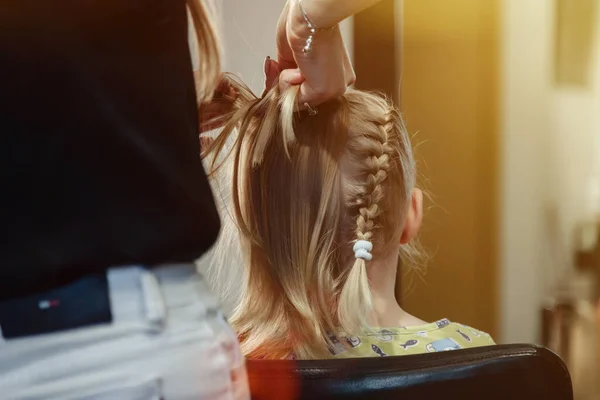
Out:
{"x": 99, "y": 149}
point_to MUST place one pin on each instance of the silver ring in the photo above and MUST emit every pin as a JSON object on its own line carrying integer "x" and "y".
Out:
{"x": 311, "y": 110}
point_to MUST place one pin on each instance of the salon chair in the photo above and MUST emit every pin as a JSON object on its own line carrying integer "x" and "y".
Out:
{"x": 508, "y": 372}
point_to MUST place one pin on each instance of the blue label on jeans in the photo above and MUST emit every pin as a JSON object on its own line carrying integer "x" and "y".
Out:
{"x": 82, "y": 303}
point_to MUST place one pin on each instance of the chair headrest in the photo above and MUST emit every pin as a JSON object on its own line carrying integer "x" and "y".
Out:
{"x": 515, "y": 372}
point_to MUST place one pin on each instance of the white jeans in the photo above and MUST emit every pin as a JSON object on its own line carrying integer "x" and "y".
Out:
{"x": 168, "y": 340}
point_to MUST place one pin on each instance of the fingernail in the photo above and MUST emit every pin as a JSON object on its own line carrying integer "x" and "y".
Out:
{"x": 267, "y": 67}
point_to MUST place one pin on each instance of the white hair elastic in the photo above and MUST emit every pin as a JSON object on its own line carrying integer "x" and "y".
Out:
{"x": 362, "y": 249}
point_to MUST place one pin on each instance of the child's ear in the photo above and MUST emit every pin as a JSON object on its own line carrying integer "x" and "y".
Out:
{"x": 414, "y": 217}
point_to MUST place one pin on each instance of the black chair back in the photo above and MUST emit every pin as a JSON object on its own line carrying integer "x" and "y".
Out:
{"x": 508, "y": 372}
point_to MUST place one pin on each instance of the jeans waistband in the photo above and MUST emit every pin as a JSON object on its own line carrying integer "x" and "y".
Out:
{"x": 150, "y": 293}
{"x": 135, "y": 295}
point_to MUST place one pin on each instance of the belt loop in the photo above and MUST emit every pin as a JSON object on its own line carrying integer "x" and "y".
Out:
{"x": 154, "y": 303}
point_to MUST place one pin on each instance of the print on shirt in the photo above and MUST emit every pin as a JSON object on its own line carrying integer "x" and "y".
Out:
{"x": 409, "y": 343}
{"x": 420, "y": 339}
{"x": 335, "y": 347}
{"x": 385, "y": 335}
{"x": 378, "y": 351}
{"x": 474, "y": 332}
{"x": 464, "y": 335}
{"x": 442, "y": 323}
{"x": 354, "y": 341}
{"x": 442, "y": 345}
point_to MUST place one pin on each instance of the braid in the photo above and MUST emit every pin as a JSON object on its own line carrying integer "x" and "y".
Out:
{"x": 355, "y": 298}
{"x": 376, "y": 167}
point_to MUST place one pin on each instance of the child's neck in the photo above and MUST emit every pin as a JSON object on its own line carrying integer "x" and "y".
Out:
{"x": 386, "y": 310}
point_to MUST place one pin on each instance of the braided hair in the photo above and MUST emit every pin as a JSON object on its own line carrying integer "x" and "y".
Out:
{"x": 316, "y": 200}
{"x": 355, "y": 298}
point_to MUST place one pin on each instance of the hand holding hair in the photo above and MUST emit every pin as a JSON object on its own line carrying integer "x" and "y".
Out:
{"x": 324, "y": 72}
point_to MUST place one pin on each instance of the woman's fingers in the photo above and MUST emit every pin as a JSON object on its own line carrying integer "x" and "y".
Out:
{"x": 326, "y": 67}
{"x": 307, "y": 94}
{"x": 290, "y": 77}
{"x": 271, "y": 71}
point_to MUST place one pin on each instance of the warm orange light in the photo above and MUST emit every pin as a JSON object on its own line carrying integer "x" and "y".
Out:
{"x": 269, "y": 381}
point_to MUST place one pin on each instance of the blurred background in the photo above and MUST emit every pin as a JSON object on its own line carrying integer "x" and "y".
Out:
{"x": 503, "y": 100}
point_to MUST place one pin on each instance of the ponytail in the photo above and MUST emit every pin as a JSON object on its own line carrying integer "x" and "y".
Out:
{"x": 207, "y": 46}
{"x": 299, "y": 211}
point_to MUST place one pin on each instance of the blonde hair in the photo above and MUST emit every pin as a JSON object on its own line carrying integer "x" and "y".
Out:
{"x": 207, "y": 46}
{"x": 303, "y": 190}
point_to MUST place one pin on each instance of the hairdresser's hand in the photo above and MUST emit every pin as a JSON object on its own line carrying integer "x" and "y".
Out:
{"x": 322, "y": 74}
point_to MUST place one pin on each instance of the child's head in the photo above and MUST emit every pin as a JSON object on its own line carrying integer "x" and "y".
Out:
{"x": 311, "y": 194}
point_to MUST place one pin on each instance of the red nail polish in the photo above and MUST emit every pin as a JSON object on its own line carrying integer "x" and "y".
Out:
{"x": 267, "y": 67}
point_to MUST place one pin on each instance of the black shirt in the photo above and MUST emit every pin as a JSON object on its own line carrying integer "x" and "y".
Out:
{"x": 99, "y": 149}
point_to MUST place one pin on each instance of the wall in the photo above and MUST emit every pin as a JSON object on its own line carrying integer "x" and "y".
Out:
{"x": 575, "y": 113}
{"x": 547, "y": 160}
{"x": 450, "y": 103}
{"x": 526, "y": 148}
{"x": 377, "y": 45}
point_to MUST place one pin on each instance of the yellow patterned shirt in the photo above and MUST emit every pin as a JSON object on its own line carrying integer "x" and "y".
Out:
{"x": 442, "y": 335}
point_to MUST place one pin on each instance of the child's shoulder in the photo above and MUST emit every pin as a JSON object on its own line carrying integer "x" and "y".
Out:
{"x": 442, "y": 335}
{"x": 466, "y": 335}
{"x": 463, "y": 329}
